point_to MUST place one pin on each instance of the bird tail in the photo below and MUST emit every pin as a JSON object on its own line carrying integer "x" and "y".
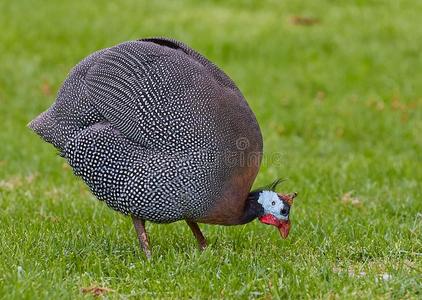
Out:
{"x": 72, "y": 111}
{"x": 58, "y": 126}
{"x": 47, "y": 127}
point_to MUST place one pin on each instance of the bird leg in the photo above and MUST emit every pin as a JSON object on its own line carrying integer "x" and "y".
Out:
{"x": 139, "y": 225}
{"x": 202, "y": 242}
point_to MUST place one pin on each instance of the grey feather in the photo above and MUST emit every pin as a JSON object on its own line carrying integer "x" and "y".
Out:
{"x": 148, "y": 125}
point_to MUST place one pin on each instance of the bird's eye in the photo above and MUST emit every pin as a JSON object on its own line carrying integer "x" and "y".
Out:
{"x": 273, "y": 203}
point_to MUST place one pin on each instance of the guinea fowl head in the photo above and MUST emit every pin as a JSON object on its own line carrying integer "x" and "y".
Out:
{"x": 272, "y": 208}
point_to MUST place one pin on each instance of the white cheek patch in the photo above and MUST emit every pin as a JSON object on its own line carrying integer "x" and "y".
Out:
{"x": 266, "y": 199}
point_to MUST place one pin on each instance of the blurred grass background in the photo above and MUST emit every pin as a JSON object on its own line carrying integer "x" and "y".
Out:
{"x": 336, "y": 87}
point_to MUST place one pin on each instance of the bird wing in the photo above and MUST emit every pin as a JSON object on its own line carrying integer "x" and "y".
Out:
{"x": 146, "y": 89}
{"x": 217, "y": 73}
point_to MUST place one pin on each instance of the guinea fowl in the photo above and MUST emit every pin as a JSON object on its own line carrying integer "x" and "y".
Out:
{"x": 160, "y": 133}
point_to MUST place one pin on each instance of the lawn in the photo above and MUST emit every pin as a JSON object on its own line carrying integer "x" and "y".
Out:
{"x": 337, "y": 89}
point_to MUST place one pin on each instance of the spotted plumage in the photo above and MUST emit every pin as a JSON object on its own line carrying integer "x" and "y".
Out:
{"x": 147, "y": 124}
{"x": 157, "y": 132}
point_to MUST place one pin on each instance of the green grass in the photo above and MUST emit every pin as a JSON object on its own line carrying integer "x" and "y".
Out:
{"x": 340, "y": 107}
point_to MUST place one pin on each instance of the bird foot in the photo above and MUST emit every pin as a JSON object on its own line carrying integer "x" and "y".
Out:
{"x": 139, "y": 225}
{"x": 202, "y": 245}
{"x": 202, "y": 242}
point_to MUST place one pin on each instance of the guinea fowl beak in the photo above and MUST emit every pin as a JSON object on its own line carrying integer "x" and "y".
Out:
{"x": 282, "y": 225}
{"x": 284, "y": 228}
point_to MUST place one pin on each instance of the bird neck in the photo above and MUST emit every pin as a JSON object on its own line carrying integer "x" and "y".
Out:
{"x": 252, "y": 208}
